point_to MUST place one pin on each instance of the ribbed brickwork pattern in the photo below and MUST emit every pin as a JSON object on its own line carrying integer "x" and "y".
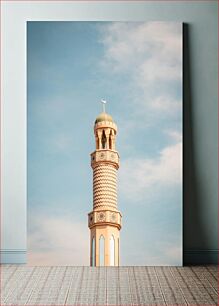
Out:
{"x": 104, "y": 186}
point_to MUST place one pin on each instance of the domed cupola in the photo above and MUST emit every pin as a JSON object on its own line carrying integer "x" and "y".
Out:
{"x": 103, "y": 117}
{"x": 105, "y": 130}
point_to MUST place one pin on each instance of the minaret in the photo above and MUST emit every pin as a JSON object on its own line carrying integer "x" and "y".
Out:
{"x": 105, "y": 220}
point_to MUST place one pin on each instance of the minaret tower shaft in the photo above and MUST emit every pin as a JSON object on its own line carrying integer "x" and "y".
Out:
{"x": 105, "y": 220}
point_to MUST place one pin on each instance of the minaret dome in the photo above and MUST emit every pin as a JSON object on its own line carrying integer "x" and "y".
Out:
{"x": 103, "y": 117}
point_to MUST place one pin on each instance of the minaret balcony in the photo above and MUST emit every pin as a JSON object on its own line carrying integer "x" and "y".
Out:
{"x": 103, "y": 217}
{"x": 105, "y": 124}
{"x": 105, "y": 155}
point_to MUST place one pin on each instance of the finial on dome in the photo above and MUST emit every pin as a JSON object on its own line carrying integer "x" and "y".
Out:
{"x": 103, "y": 116}
{"x": 104, "y": 105}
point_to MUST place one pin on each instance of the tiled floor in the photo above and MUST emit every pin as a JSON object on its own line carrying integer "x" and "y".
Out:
{"x": 22, "y": 285}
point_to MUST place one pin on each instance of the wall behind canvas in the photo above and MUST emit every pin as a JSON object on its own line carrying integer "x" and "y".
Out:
{"x": 200, "y": 114}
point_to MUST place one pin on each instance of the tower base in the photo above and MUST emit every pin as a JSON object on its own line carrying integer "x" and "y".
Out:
{"x": 104, "y": 246}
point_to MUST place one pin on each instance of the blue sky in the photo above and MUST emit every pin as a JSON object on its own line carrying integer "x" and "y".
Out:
{"x": 137, "y": 68}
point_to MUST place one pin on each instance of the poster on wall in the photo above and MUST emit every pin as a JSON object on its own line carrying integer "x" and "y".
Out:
{"x": 104, "y": 132}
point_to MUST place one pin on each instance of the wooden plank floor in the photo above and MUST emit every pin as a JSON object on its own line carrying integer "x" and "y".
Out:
{"x": 24, "y": 285}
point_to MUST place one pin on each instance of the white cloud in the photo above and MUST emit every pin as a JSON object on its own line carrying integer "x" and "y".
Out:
{"x": 167, "y": 104}
{"x": 150, "y": 54}
{"x": 166, "y": 254}
{"x": 57, "y": 241}
{"x": 151, "y": 50}
{"x": 157, "y": 69}
{"x": 173, "y": 253}
{"x": 166, "y": 251}
{"x": 145, "y": 174}
{"x": 174, "y": 135}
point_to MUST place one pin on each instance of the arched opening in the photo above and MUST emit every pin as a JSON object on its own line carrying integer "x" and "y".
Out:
{"x": 110, "y": 140}
{"x": 103, "y": 140}
{"x": 112, "y": 251}
{"x": 97, "y": 141}
{"x": 101, "y": 250}
{"x": 93, "y": 253}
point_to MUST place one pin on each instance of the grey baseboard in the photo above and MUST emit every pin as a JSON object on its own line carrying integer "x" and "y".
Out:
{"x": 13, "y": 256}
{"x": 190, "y": 257}
{"x": 200, "y": 257}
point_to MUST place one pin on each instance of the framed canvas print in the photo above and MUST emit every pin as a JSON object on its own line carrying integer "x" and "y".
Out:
{"x": 104, "y": 158}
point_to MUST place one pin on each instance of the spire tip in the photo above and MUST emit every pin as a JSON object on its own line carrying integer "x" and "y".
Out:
{"x": 103, "y": 104}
